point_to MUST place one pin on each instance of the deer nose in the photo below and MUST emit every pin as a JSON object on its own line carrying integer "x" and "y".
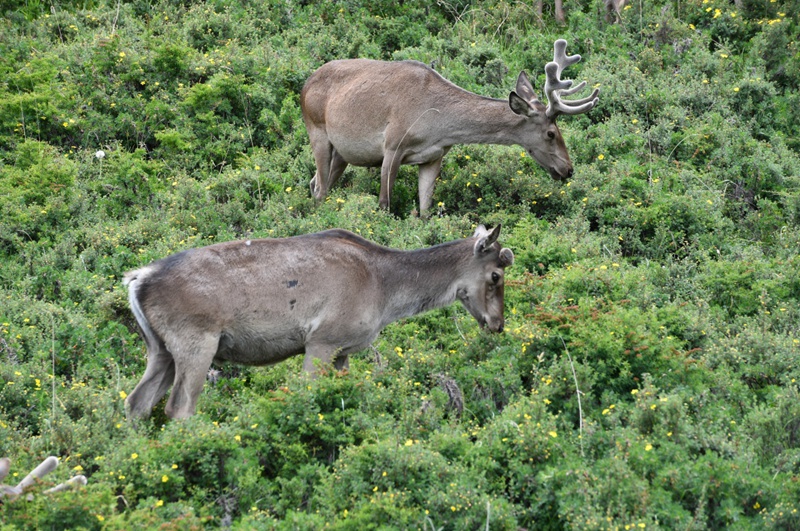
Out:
{"x": 569, "y": 173}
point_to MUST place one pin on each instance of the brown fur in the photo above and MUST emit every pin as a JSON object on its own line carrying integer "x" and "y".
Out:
{"x": 375, "y": 113}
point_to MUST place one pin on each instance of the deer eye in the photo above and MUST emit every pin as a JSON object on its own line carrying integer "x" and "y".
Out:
{"x": 495, "y": 277}
{"x": 551, "y": 135}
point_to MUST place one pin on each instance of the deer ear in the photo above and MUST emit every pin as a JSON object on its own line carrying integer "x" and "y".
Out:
{"x": 506, "y": 257}
{"x": 480, "y": 232}
{"x": 486, "y": 240}
{"x": 519, "y": 105}
{"x": 525, "y": 89}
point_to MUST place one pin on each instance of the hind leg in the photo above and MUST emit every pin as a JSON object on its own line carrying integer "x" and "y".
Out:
{"x": 192, "y": 361}
{"x": 158, "y": 376}
{"x": 330, "y": 165}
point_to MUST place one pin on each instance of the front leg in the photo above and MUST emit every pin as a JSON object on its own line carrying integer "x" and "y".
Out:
{"x": 427, "y": 179}
{"x": 389, "y": 170}
{"x": 326, "y": 355}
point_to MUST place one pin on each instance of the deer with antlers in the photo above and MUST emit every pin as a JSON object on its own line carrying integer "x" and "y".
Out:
{"x": 376, "y": 113}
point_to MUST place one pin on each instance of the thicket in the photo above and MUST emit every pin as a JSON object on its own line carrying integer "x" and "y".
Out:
{"x": 647, "y": 377}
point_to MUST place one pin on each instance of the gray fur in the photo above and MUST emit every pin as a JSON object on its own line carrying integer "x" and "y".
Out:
{"x": 325, "y": 295}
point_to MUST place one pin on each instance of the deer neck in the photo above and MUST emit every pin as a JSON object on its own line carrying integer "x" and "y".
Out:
{"x": 481, "y": 120}
{"x": 422, "y": 280}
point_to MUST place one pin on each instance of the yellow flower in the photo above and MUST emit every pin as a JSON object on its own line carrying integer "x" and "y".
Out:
{"x": 238, "y": 438}
{"x": 134, "y": 455}
{"x": 600, "y": 156}
{"x": 159, "y": 503}
{"x": 552, "y": 434}
{"x": 164, "y": 478}
{"x": 409, "y": 442}
{"x": 648, "y": 447}
{"x": 123, "y": 395}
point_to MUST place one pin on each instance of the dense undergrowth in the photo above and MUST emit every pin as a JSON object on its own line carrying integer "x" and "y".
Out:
{"x": 647, "y": 377}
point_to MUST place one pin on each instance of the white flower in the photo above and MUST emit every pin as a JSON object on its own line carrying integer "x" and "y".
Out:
{"x": 100, "y": 154}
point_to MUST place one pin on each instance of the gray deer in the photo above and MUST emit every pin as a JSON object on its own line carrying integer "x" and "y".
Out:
{"x": 375, "y": 113}
{"x": 329, "y": 294}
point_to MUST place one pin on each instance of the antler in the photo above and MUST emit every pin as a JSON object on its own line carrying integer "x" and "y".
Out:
{"x": 555, "y": 88}
{"x": 44, "y": 468}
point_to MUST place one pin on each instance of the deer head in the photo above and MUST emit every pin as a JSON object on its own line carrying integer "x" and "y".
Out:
{"x": 544, "y": 141}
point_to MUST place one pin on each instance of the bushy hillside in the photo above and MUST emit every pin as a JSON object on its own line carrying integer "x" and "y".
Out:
{"x": 648, "y": 374}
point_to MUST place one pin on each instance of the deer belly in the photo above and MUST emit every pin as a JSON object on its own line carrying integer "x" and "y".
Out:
{"x": 260, "y": 347}
{"x": 366, "y": 150}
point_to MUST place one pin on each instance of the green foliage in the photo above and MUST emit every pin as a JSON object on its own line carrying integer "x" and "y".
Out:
{"x": 647, "y": 375}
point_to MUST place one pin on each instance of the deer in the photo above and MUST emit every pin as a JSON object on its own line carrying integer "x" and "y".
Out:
{"x": 366, "y": 112}
{"x": 325, "y": 295}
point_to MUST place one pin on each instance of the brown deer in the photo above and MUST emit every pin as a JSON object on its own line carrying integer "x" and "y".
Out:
{"x": 374, "y": 113}
{"x": 329, "y": 294}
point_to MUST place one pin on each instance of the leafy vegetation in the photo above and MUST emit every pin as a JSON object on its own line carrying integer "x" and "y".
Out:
{"x": 648, "y": 374}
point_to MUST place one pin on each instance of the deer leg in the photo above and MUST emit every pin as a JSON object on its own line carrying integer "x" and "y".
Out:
{"x": 192, "y": 361}
{"x": 323, "y": 154}
{"x": 389, "y": 169}
{"x": 326, "y": 354}
{"x": 338, "y": 165}
{"x": 334, "y": 165}
{"x": 341, "y": 363}
{"x": 158, "y": 376}
{"x": 427, "y": 179}
{"x": 560, "y": 18}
